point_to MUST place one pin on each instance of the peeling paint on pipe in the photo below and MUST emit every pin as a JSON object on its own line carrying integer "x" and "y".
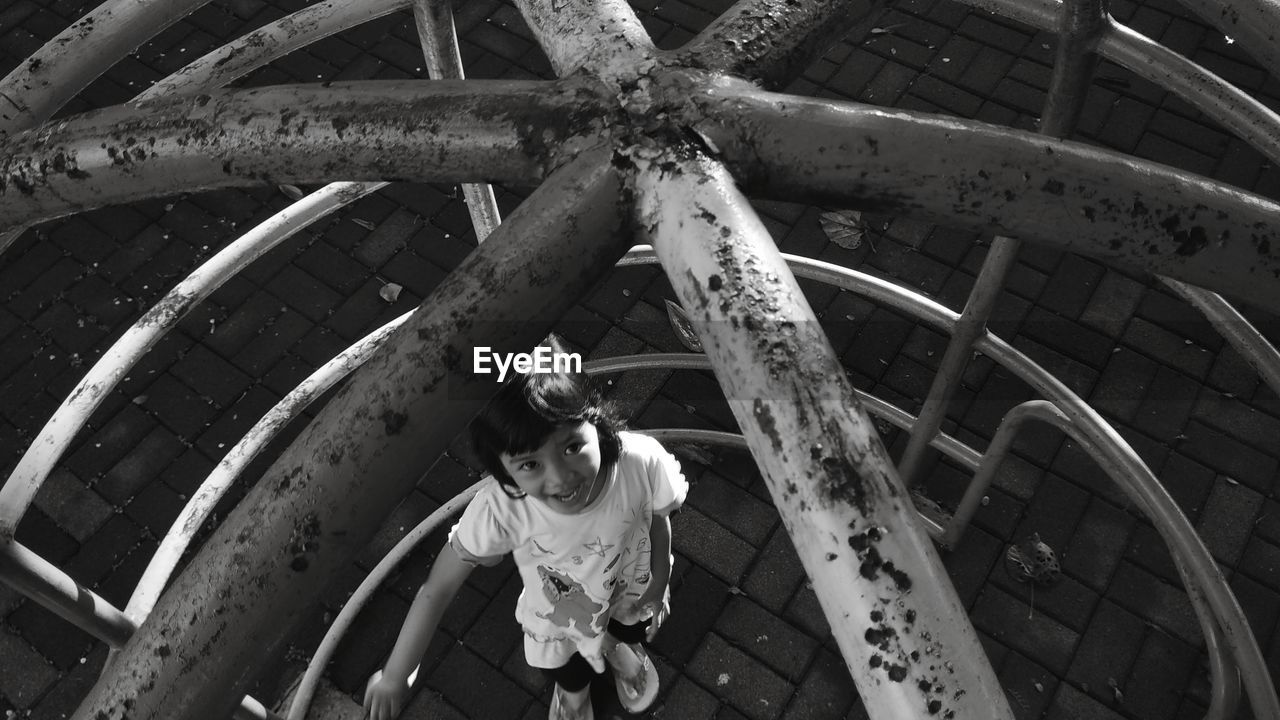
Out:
{"x": 429, "y": 131}
{"x": 1068, "y": 195}
{"x": 904, "y": 635}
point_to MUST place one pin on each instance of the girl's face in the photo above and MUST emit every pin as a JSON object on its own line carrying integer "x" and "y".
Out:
{"x": 561, "y": 472}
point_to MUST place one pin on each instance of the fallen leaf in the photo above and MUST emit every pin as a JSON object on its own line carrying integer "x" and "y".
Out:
{"x": 682, "y": 327}
{"x": 364, "y": 224}
{"x": 293, "y": 192}
{"x": 843, "y": 227}
{"x": 390, "y": 292}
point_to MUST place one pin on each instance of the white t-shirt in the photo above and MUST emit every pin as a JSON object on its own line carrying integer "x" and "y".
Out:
{"x": 578, "y": 570}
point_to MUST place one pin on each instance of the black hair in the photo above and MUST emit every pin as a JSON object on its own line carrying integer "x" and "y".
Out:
{"x": 529, "y": 407}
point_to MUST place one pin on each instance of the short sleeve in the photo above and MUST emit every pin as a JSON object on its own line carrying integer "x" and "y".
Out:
{"x": 482, "y": 536}
{"x": 665, "y": 477}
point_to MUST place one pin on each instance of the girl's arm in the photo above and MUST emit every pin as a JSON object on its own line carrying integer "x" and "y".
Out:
{"x": 660, "y": 566}
{"x": 384, "y": 698}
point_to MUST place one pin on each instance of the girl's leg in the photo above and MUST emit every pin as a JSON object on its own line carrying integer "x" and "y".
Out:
{"x": 634, "y": 674}
{"x": 571, "y": 699}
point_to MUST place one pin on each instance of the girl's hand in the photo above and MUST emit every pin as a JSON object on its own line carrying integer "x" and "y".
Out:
{"x": 659, "y": 610}
{"x": 384, "y": 697}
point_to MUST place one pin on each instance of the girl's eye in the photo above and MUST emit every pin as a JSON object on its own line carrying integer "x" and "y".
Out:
{"x": 573, "y": 449}
{"x": 527, "y": 466}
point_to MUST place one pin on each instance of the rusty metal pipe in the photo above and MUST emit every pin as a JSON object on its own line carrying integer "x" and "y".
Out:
{"x": 374, "y": 130}
{"x": 773, "y": 42}
{"x": 326, "y": 495}
{"x": 1060, "y": 193}
{"x": 602, "y": 37}
{"x": 851, "y": 520}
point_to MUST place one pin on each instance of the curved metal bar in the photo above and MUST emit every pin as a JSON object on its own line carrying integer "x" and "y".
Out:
{"x": 1059, "y": 193}
{"x": 33, "y": 91}
{"x": 1243, "y": 646}
{"x": 849, "y": 517}
{"x": 327, "y": 494}
{"x": 1203, "y": 581}
{"x": 375, "y": 130}
{"x": 1231, "y": 107}
{"x": 1251, "y": 23}
{"x": 900, "y": 418}
{"x": 269, "y": 42}
{"x": 772, "y": 42}
{"x": 301, "y": 702}
{"x": 602, "y": 37}
{"x": 1235, "y": 328}
{"x": 46, "y": 449}
{"x": 197, "y": 509}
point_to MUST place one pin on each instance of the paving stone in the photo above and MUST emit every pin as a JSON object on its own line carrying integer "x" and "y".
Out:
{"x": 25, "y": 674}
{"x": 475, "y": 687}
{"x": 1035, "y": 634}
{"x": 1071, "y": 704}
{"x": 1028, "y": 685}
{"x": 1228, "y": 456}
{"x": 1167, "y": 405}
{"x": 1159, "y": 674}
{"x": 1227, "y": 519}
{"x": 1108, "y": 649}
{"x": 141, "y": 466}
{"x": 1147, "y": 596}
{"x": 776, "y": 574}
{"x": 783, "y": 648}
{"x": 733, "y": 508}
{"x": 739, "y": 679}
{"x": 1094, "y": 550}
{"x": 710, "y": 545}
{"x": 805, "y": 612}
{"x": 687, "y": 700}
{"x": 696, "y": 603}
{"x": 71, "y": 505}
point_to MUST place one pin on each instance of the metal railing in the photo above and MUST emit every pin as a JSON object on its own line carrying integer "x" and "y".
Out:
{"x": 734, "y": 275}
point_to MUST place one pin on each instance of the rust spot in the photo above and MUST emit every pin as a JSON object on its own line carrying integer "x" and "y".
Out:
{"x": 714, "y": 282}
{"x": 767, "y": 424}
{"x": 897, "y": 673}
{"x": 394, "y": 422}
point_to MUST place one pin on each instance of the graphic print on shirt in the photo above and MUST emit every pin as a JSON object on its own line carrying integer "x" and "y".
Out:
{"x": 570, "y": 605}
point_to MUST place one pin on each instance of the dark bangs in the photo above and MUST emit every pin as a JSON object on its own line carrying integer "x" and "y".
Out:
{"x": 528, "y": 408}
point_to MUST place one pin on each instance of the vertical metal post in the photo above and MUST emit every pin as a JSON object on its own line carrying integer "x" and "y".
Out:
{"x": 439, "y": 38}
{"x": 1083, "y": 22}
{"x": 321, "y": 501}
{"x": 892, "y": 609}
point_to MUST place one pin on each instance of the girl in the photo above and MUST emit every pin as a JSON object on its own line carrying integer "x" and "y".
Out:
{"x": 583, "y": 509}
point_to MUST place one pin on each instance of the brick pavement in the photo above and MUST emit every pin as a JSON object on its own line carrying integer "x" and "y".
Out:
{"x": 1115, "y": 639}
